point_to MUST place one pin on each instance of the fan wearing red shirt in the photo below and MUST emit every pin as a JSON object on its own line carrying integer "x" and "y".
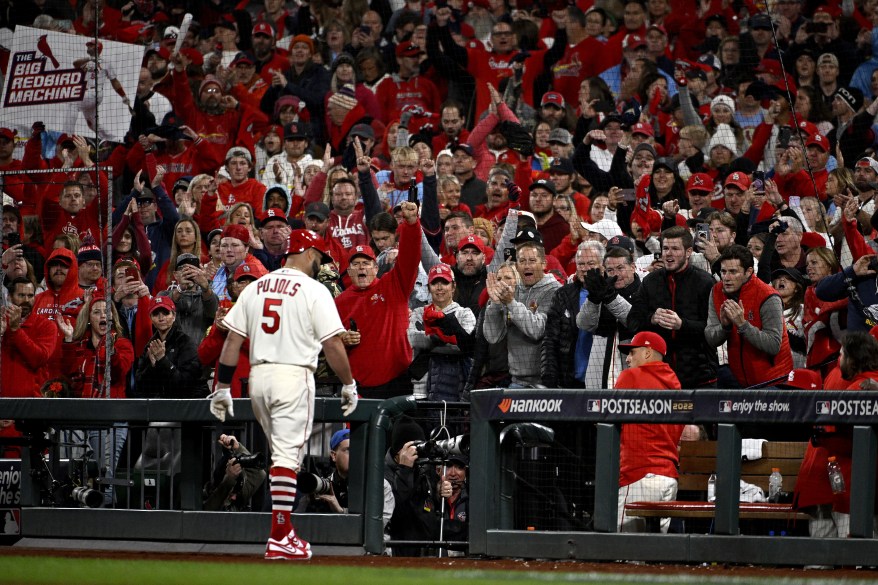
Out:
{"x": 648, "y": 456}
{"x": 241, "y": 188}
{"x": 407, "y": 87}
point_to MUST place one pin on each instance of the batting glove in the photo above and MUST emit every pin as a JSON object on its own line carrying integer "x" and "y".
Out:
{"x": 349, "y": 398}
{"x": 221, "y": 403}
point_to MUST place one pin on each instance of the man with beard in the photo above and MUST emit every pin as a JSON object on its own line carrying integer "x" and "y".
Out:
{"x": 62, "y": 296}
{"x": 28, "y": 342}
{"x": 268, "y": 58}
{"x": 519, "y": 314}
{"x": 157, "y": 61}
{"x": 866, "y": 180}
{"x": 157, "y": 104}
{"x": 551, "y": 225}
{"x": 220, "y": 119}
{"x": 498, "y": 196}
{"x": 793, "y": 178}
{"x": 605, "y": 314}
{"x": 673, "y": 302}
{"x": 470, "y": 269}
{"x": 451, "y": 122}
{"x": 378, "y": 347}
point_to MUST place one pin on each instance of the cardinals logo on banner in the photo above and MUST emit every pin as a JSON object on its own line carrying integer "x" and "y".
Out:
{"x": 71, "y": 83}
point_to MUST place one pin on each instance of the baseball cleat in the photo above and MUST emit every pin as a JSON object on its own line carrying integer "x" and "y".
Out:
{"x": 286, "y": 550}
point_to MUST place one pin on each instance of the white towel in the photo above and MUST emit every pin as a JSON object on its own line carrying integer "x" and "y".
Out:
{"x": 751, "y": 493}
{"x": 751, "y": 449}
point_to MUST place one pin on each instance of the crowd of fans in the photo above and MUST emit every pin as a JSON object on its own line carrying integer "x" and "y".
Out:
{"x": 701, "y": 170}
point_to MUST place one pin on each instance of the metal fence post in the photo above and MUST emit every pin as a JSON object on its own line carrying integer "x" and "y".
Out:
{"x": 606, "y": 481}
{"x": 728, "y": 479}
{"x": 862, "y": 488}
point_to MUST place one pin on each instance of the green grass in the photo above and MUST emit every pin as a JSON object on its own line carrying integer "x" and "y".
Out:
{"x": 40, "y": 570}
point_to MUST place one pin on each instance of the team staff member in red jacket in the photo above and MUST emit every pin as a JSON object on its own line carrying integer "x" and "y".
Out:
{"x": 28, "y": 341}
{"x": 748, "y": 314}
{"x": 379, "y": 350}
{"x": 648, "y": 456}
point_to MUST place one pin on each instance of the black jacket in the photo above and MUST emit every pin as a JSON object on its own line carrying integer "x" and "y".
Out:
{"x": 176, "y": 375}
{"x": 559, "y": 341}
{"x": 469, "y": 288}
{"x": 689, "y": 354}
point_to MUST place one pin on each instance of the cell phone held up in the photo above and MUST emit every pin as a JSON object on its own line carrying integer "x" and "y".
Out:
{"x": 413, "y": 191}
{"x": 702, "y": 233}
{"x": 12, "y": 239}
{"x": 353, "y": 326}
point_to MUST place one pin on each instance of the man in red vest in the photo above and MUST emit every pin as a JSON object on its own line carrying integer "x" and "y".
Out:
{"x": 748, "y": 314}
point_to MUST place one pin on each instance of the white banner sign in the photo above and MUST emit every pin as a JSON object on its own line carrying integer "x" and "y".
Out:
{"x": 70, "y": 83}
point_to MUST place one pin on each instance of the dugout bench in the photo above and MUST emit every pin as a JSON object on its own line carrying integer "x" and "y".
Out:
{"x": 698, "y": 462}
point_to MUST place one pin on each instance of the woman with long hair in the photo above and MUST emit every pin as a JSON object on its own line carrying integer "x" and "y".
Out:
{"x": 824, "y": 321}
{"x": 810, "y": 107}
{"x": 130, "y": 240}
{"x": 790, "y": 286}
{"x": 187, "y": 240}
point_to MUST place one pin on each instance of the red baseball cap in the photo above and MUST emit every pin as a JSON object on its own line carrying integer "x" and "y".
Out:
{"x": 819, "y": 141}
{"x": 9, "y": 134}
{"x": 633, "y": 41}
{"x": 645, "y": 339}
{"x": 361, "y": 251}
{"x": 408, "y": 49}
{"x": 700, "y": 182}
{"x": 301, "y": 240}
{"x": 809, "y": 128}
{"x": 552, "y": 98}
{"x": 803, "y": 379}
{"x": 472, "y": 241}
{"x": 440, "y": 272}
{"x": 739, "y": 180}
{"x": 161, "y": 302}
{"x": 274, "y": 214}
{"x": 254, "y": 270}
{"x": 263, "y": 28}
{"x": 641, "y": 128}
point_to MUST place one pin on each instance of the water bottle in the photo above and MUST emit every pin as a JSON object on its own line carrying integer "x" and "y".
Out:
{"x": 775, "y": 484}
{"x": 711, "y": 488}
{"x": 836, "y": 479}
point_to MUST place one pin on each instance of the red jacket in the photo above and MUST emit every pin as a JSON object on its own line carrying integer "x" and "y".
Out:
{"x": 209, "y": 352}
{"x": 394, "y": 94}
{"x": 381, "y": 312}
{"x": 80, "y": 358}
{"x": 25, "y": 353}
{"x": 648, "y": 448}
{"x": 749, "y": 365}
{"x": 67, "y": 300}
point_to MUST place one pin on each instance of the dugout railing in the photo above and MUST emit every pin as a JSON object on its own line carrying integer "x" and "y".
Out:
{"x": 492, "y": 533}
{"x": 43, "y": 420}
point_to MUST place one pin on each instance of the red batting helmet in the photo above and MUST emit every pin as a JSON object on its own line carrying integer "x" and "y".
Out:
{"x": 301, "y": 240}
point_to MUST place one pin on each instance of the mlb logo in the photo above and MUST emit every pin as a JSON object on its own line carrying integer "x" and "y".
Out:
{"x": 823, "y": 407}
{"x": 593, "y": 405}
{"x": 725, "y": 406}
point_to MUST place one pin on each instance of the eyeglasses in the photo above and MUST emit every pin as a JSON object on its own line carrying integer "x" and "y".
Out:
{"x": 212, "y": 90}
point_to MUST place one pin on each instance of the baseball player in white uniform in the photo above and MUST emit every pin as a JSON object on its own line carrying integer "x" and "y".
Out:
{"x": 95, "y": 68}
{"x": 288, "y": 317}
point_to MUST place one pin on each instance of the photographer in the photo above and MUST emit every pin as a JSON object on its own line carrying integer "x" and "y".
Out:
{"x": 233, "y": 484}
{"x": 331, "y": 497}
{"x": 414, "y": 516}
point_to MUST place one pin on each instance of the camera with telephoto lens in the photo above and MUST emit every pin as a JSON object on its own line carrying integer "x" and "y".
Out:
{"x": 440, "y": 449}
{"x": 309, "y": 483}
{"x": 251, "y": 461}
{"x": 780, "y": 228}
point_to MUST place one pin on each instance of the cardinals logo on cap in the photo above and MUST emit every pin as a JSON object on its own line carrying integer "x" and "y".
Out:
{"x": 698, "y": 181}
{"x": 736, "y": 177}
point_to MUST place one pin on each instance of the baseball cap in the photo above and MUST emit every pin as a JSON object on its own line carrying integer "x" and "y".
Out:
{"x": 644, "y": 129}
{"x": 866, "y": 161}
{"x": 623, "y": 242}
{"x": 665, "y": 162}
{"x": 243, "y": 57}
{"x": 458, "y": 458}
{"x": 187, "y": 260}
{"x": 552, "y": 98}
{"x": 318, "y": 209}
{"x": 761, "y": 20}
{"x": 361, "y": 250}
{"x": 632, "y": 41}
{"x": 263, "y": 28}
{"x": 162, "y": 302}
{"x": 295, "y": 130}
{"x": 700, "y": 182}
{"x": 819, "y": 141}
{"x": 8, "y": 133}
{"x": 472, "y": 241}
{"x": 544, "y": 184}
{"x": 338, "y": 437}
{"x": 561, "y": 136}
{"x": 645, "y": 339}
{"x": 145, "y": 196}
{"x": 464, "y": 147}
{"x": 563, "y": 166}
{"x": 213, "y": 233}
{"x": 171, "y": 32}
{"x": 739, "y": 180}
{"x": 803, "y": 379}
{"x": 301, "y": 240}
{"x": 254, "y": 270}
{"x": 611, "y": 118}
{"x": 408, "y": 49}
{"x": 792, "y": 273}
{"x": 440, "y": 272}
{"x": 273, "y": 214}
{"x": 238, "y": 151}
{"x": 605, "y": 227}
{"x": 527, "y": 234}
{"x": 363, "y": 131}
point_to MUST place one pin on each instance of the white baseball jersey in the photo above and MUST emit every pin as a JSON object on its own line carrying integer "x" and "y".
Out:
{"x": 287, "y": 316}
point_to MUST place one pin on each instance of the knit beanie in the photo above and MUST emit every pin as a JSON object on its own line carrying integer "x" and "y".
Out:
{"x": 208, "y": 80}
{"x": 405, "y": 430}
{"x": 344, "y": 97}
{"x": 724, "y": 136}
{"x": 239, "y": 232}
{"x": 722, "y": 100}
{"x": 484, "y": 224}
{"x": 88, "y": 251}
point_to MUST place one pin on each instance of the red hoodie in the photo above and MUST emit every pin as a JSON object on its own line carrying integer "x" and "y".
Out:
{"x": 648, "y": 448}
{"x": 24, "y": 354}
{"x": 67, "y": 300}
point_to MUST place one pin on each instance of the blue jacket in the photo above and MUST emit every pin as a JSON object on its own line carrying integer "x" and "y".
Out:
{"x": 160, "y": 232}
{"x": 834, "y": 288}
